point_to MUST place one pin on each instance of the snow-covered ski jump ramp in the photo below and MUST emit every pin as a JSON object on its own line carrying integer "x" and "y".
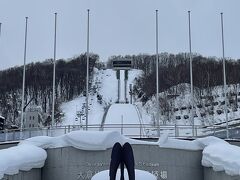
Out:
{"x": 123, "y": 118}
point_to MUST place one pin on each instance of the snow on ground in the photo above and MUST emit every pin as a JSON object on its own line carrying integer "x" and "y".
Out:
{"x": 69, "y": 109}
{"x": 124, "y": 118}
{"x": 23, "y": 157}
{"x": 139, "y": 175}
{"x": 109, "y": 83}
{"x": 180, "y": 111}
{"x": 105, "y": 83}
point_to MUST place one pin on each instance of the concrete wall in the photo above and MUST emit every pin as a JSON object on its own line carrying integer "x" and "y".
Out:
{"x": 209, "y": 174}
{"x": 234, "y": 142}
{"x": 168, "y": 164}
{"x": 74, "y": 164}
{"x": 5, "y": 145}
{"x": 34, "y": 174}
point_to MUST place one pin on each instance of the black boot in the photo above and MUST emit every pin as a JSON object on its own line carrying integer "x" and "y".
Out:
{"x": 116, "y": 160}
{"x": 122, "y": 170}
{"x": 128, "y": 160}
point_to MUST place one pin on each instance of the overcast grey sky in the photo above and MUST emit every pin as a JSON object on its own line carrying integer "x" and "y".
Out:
{"x": 117, "y": 27}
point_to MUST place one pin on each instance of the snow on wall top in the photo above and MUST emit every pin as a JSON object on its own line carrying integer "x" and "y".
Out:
{"x": 217, "y": 153}
{"x": 85, "y": 140}
{"x": 214, "y": 149}
{"x": 198, "y": 144}
{"x": 22, "y": 157}
{"x": 222, "y": 157}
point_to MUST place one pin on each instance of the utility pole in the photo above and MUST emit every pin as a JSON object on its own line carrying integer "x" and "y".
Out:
{"x": 157, "y": 81}
{"x": 24, "y": 71}
{"x": 224, "y": 78}
{"x": 191, "y": 73}
{"x": 87, "y": 81}
{"x": 54, "y": 69}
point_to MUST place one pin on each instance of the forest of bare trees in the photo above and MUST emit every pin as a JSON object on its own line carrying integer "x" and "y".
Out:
{"x": 174, "y": 70}
{"x": 71, "y": 78}
{"x": 70, "y": 82}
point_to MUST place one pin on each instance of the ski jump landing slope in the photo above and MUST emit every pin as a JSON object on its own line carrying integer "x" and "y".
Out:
{"x": 123, "y": 118}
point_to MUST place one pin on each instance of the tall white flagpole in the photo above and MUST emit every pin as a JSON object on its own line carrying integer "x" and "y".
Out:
{"x": 157, "y": 81}
{"x": 87, "y": 80}
{"x": 54, "y": 69}
{"x": 0, "y": 29}
{"x": 24, "y": 71}
{"x": 191, "y": 73}
{"x": 224, "y": 78}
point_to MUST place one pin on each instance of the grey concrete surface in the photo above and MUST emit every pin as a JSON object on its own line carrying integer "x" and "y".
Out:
{"x": 209, "y": 174}
{"x": 34, "y": 174}
{"x": 74, "y": 164}
{"x": 5, "y": 145}
{"x": 69, "y": 163}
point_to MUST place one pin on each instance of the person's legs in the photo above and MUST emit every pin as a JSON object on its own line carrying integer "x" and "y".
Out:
{"x": 122, "y": 170}
{"x": 116, "y": 160}
{"x": 128, "y": 159}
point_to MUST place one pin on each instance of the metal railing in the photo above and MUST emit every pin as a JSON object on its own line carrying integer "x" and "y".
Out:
{"x": 130, "y": 130}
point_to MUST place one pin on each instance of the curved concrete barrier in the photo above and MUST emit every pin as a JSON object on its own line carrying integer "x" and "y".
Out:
{"x": 74, "y": 164}
{"x": 210, "y": 174}
{"x": 34, "y": 174}
{"x": 166, "y": 164}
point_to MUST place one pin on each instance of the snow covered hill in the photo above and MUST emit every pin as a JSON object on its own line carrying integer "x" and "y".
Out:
{"x": 123, "y": 117}
{"x": 102, "y": 94}
{"x": 174, "y": 110}
{"x": 209, "y": 107}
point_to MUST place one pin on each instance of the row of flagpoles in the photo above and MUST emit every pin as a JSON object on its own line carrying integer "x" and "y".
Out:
{"x": 191, "y": 76}
{"x": 54, "y": 70}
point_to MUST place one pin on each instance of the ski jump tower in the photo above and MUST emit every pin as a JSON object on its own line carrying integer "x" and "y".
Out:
{"x": 125, "y": 65}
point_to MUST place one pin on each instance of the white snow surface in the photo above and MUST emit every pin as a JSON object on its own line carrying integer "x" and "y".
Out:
{"x": 198, "y": 144}
{"x": 222, "y": 157}
{"x": 139, "y": 175}
{"x": 22, "y": 157}
{"x": 217, "y": 153}
{"x": 119, "y": 114}
{"x": 166, "y": 142}
{"x": 122, "y": 113}
{"x": 85, "y": 140}
{"x": 106, "y": 83}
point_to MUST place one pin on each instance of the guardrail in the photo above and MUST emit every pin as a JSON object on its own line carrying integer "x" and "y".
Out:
{"x": 130, "y": 130}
